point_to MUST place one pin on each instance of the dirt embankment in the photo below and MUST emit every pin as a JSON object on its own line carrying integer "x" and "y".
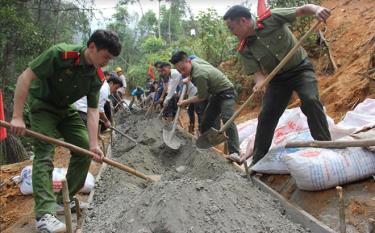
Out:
{"x": 199, "y": 191}
{"x": 350, "y": 32}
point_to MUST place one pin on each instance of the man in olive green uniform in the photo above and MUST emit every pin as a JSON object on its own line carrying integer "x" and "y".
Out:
{"x": 210, "y": 81}
{"x": 263, "y": 44}
{"x": 57, "y": 78}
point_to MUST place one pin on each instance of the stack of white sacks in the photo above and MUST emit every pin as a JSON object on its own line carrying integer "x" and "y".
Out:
{"x": 314, "y": 168}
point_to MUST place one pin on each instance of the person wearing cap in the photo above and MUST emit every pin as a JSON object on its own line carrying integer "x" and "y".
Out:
{"x": 263, "y": 44}
{"x": 53, "y": 81}
{"x": 109, "y": 87}
{"x": 121, "y": 75}
{"x": 210, "y": 81}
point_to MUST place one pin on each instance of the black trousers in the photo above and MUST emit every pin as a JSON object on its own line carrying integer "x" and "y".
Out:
{"x": 276, "y": 98}
{"x": 199, "y": 109}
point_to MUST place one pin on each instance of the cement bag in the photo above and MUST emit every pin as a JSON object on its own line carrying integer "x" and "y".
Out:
{"x": 26, "y": 187}
{"x": 58, "y": 175}
{"x": 318, "y": 169}
{"x": 361, "y": 117}
{"x": 292, "y": 120}
{"x": 246, "y": 129}
{"x": 89, "y": 184}
{"x": 273, "y": 161}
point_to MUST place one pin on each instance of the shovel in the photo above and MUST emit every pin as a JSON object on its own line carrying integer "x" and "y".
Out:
{"x": 86, "y": 152}
{"x": 169, "y": 137}
{"x": 123, "y": 134}
{"x": 213, "y": 136}
{"x": 149, "y": 109}
{"x": 121, "y": 103}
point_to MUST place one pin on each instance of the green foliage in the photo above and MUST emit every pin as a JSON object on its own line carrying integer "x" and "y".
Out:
{"x": 148, "y": 24}
{"x": 171, "y": 28}
{"x": 214, "y": 42}
{"x": 29, "y": 27}
{"x": 152, "y": 45}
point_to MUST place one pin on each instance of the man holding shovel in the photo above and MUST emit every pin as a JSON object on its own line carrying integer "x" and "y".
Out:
{"x": 53, "y": 81}
{"x": 263, "y": 44}
{"x": 210, "y": 81}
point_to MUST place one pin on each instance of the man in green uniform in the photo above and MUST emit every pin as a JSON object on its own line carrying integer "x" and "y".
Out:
{"x": 53, "y": 81}
{"x": 210, "y": 81}
{"x": 264, "y": 43}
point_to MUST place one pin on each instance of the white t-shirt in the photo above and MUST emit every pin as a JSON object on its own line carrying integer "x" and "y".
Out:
{"x": 176, "y": 80}
{"x": 122, "y": 89}
{"x": 81, "y": 104}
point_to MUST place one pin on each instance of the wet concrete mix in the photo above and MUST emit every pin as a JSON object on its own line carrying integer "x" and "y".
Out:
{"x": 199, "y": 191}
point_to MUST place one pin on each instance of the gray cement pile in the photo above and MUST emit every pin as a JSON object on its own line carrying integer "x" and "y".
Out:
{"x": 199, "y": 191}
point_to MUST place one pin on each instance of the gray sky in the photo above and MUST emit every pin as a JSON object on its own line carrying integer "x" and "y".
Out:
{"x": 107, "y": 7}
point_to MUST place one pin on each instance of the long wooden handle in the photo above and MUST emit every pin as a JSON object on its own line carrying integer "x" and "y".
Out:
{"x": 332, "y": 144}
{"x": 123, "y": 134}
{"x": 80, "y": 151}
{"x": 341, "y": 205}
{"x": 179, "y": 108}
{"x": 271, "y": 75}
{"x": 149, "y": 109}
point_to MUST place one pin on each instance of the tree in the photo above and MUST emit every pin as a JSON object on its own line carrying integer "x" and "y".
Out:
{"x": 148, "y": 24}
{"x": 172, "y": 29}
{"x": 26, "y": 29}
{"x": 125, "y": 2}
{"x": 214, "y": 41}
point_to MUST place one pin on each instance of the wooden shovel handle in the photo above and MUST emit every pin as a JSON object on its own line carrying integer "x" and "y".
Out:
{"x": 182, "y": 95}
{"x": 332, "y": 144}
{"x": 271, "y": 75}
{"x": 80, "y": 150}
{"x": 123, "y": 134}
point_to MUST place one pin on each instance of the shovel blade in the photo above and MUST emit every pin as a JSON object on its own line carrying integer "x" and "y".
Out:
{"x": 210, "y": 138}
{"x": 171, "y": 140}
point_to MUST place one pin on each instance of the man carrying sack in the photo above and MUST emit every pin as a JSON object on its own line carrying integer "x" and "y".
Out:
{"x": 53, "y": 82}
{"x": 263, "y": 44}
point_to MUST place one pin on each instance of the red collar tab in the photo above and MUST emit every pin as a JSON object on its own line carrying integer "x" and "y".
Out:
{"x": 262, "y": 17}
{"x": 71, "y": 55}
{"x": 241, "y": 45}
{"x": 100, "y": 73}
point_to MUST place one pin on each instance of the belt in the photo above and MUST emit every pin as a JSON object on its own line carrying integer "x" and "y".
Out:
{"x": 226, "y": 94}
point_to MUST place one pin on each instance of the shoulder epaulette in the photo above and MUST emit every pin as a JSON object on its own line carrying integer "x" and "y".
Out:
{"x": 71, "y": 55}
{"x": 100, "y": 73}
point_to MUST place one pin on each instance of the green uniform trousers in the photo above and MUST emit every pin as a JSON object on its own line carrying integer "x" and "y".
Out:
{"x": 51, "y": 120}
{"x": 221, "y": 106}
{"x": 275, "y": 100}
